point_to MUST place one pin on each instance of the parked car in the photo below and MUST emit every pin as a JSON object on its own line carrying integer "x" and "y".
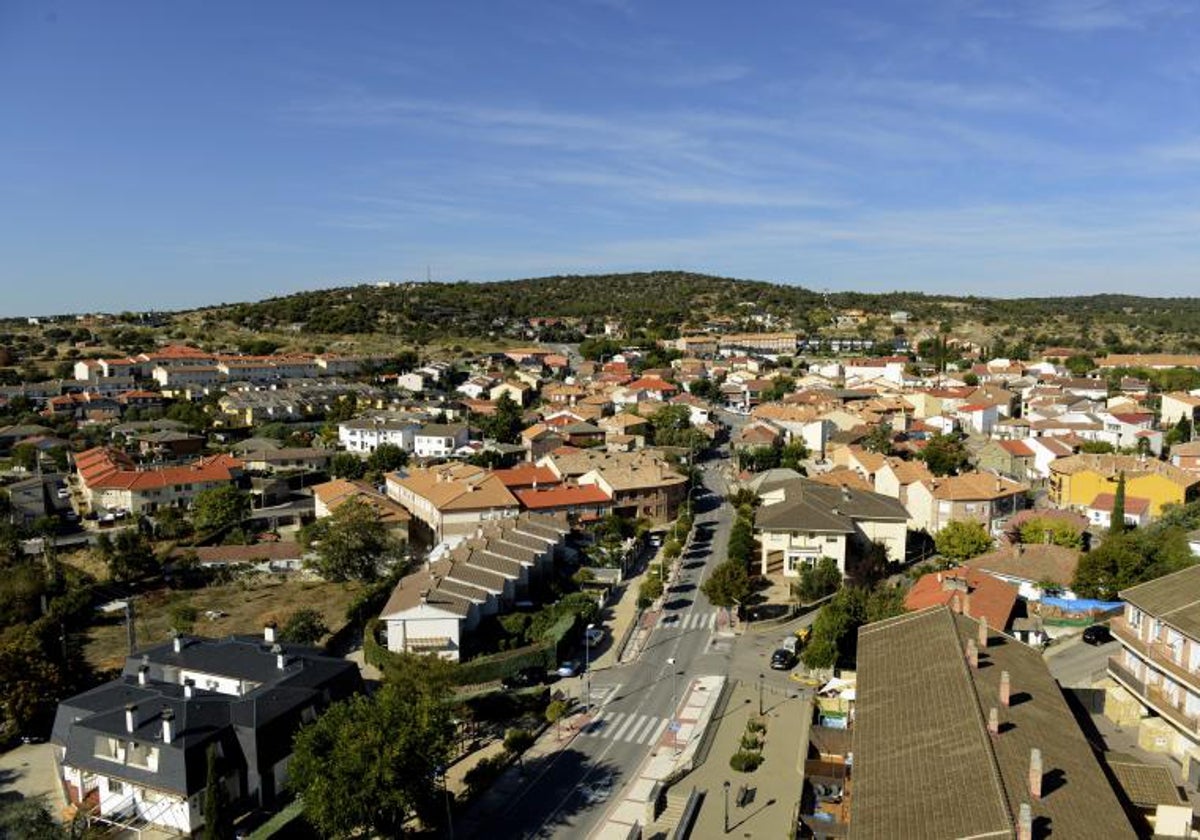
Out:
{"x": 790, "y": 644}
{"x": 569, "y": 668}
{"x": 783, "y": 660}
{"x": 525, "y": 678}
{"x": 1097, "y": 634}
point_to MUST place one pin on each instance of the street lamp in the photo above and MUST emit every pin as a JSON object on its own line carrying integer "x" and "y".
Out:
{"x": 760, "y": 702}
{"x": 726, "y": 786}
{"x": 587, "y": 662}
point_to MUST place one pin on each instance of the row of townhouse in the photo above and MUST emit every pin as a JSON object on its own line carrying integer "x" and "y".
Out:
{"x": 110, "y": 480}
{"x": 432, "y": 610}
{"x": 178, "y": 363}
{"x": 422, "y": 439}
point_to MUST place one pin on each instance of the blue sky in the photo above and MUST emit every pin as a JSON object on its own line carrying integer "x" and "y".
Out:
{"x": 171, "y": 154}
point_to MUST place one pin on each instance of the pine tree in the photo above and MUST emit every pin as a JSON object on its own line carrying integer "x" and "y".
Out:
{"x": 1117, "y": 525}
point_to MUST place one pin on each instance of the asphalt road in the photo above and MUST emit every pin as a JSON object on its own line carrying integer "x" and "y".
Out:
{"x": 635, "y": 702}
{"x": 1075, "y": 664}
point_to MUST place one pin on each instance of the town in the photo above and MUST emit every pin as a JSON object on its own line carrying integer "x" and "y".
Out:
{"x": 853, "y": 573}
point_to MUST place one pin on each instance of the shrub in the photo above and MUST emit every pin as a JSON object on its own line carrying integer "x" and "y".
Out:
{"x": 751, "y": 742}
{"x": 745, "y": 761}
{"x": 483, "y": 774}
{"x": 755, "y": 725}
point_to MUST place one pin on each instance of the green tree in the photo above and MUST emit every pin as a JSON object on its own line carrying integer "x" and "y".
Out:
{"x": 387, "y": 457}
{"x": 792, "y": 454}
{"x": 30, "y": 819}
{"x": 1080, "y": 365}
{"x": 880, "y": 439}
{"x": 1100, "y": 572}
{"x": 351, "y": 544}
{"x": 962, "y": 539}
{"x": 305, "y": 626}
{"x": 505, "y": 423}
{"x": 1053, "y": 531}
{"x": 729, "y": 584}
{"x": 347, "y": 465}
{"x": 945, "y": 455}
{"x": 171, "y": 524}
{"x": 367, "y": 765}
{"x": 217, "y": 822}
{"x": 1117, "y": 524}
{"x": 220, "y": 507}
{"x": 819, "y": 580}
{"x": 555, "y": 712}
{"x": 129, "y": 556}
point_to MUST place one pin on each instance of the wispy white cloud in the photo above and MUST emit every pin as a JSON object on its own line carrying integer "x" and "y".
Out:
{"x": 1082, "y": 16}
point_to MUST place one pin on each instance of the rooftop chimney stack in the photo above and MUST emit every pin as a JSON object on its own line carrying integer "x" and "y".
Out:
{"x": 1025, "y": 822}
{"x": 972, "y": 654}
{"x": 269, "y": 632}
{"x": 178, "y": 643}
{"x": 1035, "y": 773}
{"x": 280, "y": 658}
{"x": 1005, "y": 688}
{"x": 983, "y": 632}
{"x": 994, "y": 721}
{"x": 189, "y": 688}
{"x": 168, "y": 725}
{"x": 143, "y": 674}
{"x": 130, "y": 717}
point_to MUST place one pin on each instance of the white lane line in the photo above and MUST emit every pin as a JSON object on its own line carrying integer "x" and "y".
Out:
{"x": 619, "y": 734}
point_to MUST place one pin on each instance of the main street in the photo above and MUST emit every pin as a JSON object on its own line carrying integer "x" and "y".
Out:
{"x": 634, "y": 703}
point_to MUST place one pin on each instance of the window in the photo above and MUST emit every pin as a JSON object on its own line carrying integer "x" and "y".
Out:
{"x": 831, "y": 539}
{"x": 1135, "y": 617}
{"x": 115, "y": 786}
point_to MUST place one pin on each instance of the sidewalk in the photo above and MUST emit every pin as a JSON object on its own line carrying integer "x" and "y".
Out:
{"x": 776, "y": 784}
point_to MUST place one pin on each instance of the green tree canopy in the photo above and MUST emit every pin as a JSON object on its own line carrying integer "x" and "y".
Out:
{"x": 505, "y": 423}
{"x": 220, "y": 507}
{"x": 129, "y": 555}
{"x": 368, "y": 764}
{"x": 819, "y": 580}
{"x": 729, "y": 584}
{"x": 347, "y": 465}
{"x": 387, "y": 457}
{"x": 962, "y": 539}
{"x": 351, "y": 544}
{"x": 305, "y": 626}
{"x": 945, "y": 455}
{"x": 1051, "y": 530}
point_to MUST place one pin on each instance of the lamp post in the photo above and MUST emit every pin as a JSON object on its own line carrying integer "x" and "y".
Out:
{"x": 726, "y": 786}
{"x": 441, "y": 771}
{"x": 587, "y": 662}
{"x": 760, "y": 700}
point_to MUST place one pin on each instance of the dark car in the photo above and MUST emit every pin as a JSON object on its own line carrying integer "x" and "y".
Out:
{"x": 783, "y": 659}
{"x": 525, "y": 678}
{"x": 1097, "y": 634}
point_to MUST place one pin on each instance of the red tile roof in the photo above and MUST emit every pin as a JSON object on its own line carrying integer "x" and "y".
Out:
{"x": 527, "y": 475}
{"x": 1133, "y": 505}
{"x": 1019, "y": 448}
{"x": 985, "y": 596}
{"x": 564, "y": 496}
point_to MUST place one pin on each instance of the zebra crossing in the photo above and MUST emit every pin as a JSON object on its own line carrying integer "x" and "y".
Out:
{"x": 694, "y": 620}
{"x": 629, "y": 727}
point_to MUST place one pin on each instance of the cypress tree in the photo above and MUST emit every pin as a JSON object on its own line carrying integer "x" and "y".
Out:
{"x": 216, "y": 806}
{"x": 1117, "y": 526}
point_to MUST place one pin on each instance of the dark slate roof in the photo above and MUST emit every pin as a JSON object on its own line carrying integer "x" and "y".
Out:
{"x": 811, "y": 506}
{"x": 255, "y": 728}
{"x": 1174, "y": 598}
{"x": 925, "y": 765}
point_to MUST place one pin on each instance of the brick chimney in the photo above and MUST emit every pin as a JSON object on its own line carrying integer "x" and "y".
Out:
{"x": 972, "y": 654}
{"x": 994, "y": 721}
{"x": 983, "y": 632}
{"x": 1005, "y": 688}
{"x": 1025, "y": 822}
{"x": 1035, "y": 773}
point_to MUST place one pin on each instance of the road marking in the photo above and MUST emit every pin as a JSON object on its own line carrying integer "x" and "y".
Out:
{"x": 642, "y": 732}
{"x": 658, "y": 730}
{"x": 619, "y": 734}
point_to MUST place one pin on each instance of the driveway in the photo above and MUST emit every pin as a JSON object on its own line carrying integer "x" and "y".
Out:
{"x": 29, "y": 771}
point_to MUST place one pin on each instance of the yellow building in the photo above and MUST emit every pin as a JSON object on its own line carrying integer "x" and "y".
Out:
{"x": 1075, "y": 481}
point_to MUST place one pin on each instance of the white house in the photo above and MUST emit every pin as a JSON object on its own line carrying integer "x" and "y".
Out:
{"x": 439, "y": 440}
{"x": 364, "y": 434}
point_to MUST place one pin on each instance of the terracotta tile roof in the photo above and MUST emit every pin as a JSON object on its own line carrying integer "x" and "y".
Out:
{"x": 1133, "y": 505}
{"x": 870, "y": 461}
{"x": 457, "y": 487}
{"x": 1131, "y": 465}
{"x": 844, "y": 477}
{"x": 924, "y": 763}
{"x": 106, "y": 468}
{"x": 334, "y": 494}
{"x": 1016, "y": 448}
{"x": 561, "y": 497}
{"x": 985, "y": 596}
{"x": 527, "y": 475}
{"x": 975, "y": 485}
{"x": 909, "y": 472}
{"x": 1034, "y": 562}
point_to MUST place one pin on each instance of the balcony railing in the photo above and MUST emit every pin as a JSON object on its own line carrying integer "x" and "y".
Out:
{"x": 1154, "y": 697}
{"x": 1158, "y": 654}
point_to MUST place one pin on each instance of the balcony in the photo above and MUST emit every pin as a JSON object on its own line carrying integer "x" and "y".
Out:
{"x": 1154, "y": 697}
{"x": 1157, "y": 654}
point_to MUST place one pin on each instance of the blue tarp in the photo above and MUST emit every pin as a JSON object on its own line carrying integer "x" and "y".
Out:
{"x": 1082, "y": 605}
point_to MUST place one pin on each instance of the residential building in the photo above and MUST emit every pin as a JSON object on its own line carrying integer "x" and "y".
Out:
{"x": 452, "y": 499}
{"x": 1179, "y": 405}
{"x": 581, "y": 503}
{"x": 330, "y": 495}
{"x": 286, "y": 459}
{"x": 968, "y": 591}
{"x": 985, "y": 498}
{"x": 1186, "y": 456}
{"x": 109, "y": 480}
{"x": 1031, "y": 567}
{"x": 1159, "y": 661}
{"x": 518, "y": 392}
{"x": 961, "y": 731}
{"x": 639, "y": 483}
{"x": 1015, "y": 459}
{"x": 802, "y": 521}
{"x": 1076, "y": 481}
{"x": 439, "y": 440}
{"x": 763, "y": 344}
{"x": 1100, "y": 511}
{"x": 135, "y": 749}
{"x": 365, "y": 434}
